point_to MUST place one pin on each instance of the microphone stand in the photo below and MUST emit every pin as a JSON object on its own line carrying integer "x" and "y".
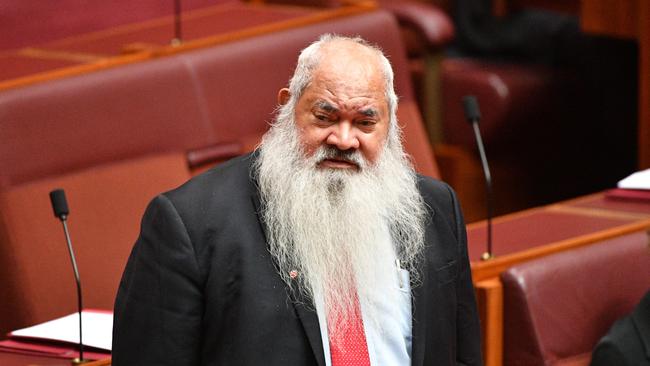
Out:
{"x": 488, "y": 190}
{"x": 178, "y": 36}
{"x": 60, "y": 207}
{"x": 473, "y": 115}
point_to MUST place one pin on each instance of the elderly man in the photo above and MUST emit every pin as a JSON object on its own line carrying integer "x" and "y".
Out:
{"x": 323, "y": 247}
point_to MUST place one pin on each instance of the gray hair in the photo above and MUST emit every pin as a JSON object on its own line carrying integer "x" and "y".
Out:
{"x": 310, "y": 58}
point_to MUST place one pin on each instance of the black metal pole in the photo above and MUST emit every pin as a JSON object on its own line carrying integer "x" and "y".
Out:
{"x": 78, "y": 281}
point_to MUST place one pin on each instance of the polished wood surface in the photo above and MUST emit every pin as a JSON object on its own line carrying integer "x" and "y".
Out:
{"x": 105, "y": 362}
{"x": 541, "y": 231}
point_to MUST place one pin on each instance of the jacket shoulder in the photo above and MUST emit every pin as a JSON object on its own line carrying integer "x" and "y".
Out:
{"x": 224, "y": 181}
{"x": 436, "y": 193}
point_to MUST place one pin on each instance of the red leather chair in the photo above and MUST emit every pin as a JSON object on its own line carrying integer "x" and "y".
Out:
{"x": 556, "y": 308}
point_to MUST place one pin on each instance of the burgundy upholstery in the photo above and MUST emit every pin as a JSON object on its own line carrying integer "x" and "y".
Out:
{"x": 509, "y": 94}
{"x": 115, "y": 138}
{"x": 240, "y": 100}
{"x": 64, "y": 18}
{"x": 69, "y": 124}
{"x": 431, "y": 28}
{"x": 556, "y": 308}
{"x": 106, "y": 203}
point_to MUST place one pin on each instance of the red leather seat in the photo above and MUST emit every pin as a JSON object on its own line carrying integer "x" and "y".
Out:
{"x": 556, "y": 308}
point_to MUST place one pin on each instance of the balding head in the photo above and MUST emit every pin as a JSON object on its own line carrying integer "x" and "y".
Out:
{"x": 342, "y": 97}
{"x": 335, "y": 52}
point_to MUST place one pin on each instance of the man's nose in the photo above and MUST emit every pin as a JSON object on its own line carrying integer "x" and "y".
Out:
{"x": 343, "y": 137}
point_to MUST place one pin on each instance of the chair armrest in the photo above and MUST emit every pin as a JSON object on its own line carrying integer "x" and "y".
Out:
{"x": 434, "y": 24}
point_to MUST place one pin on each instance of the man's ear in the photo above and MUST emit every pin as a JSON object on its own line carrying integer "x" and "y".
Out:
{"x": 283, "y": 96}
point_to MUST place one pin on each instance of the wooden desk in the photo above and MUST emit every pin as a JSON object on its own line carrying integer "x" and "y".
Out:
{"x": 146, "y": 40}
{"x": 106, "y": 362}
{"x": 17, "y": 359}
{"x": 539, "y": 232}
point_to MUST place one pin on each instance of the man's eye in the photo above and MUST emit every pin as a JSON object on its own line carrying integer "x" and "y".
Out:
{"x": 366, "y": 123}
{"x": 322, "y": 117}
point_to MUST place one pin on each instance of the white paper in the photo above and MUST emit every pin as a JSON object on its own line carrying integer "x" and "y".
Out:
{"x": 638, "y": 180}
{"x": 97, "y": 329}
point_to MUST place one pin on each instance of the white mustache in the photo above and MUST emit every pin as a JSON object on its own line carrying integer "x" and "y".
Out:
{"x": 332, "y": 153}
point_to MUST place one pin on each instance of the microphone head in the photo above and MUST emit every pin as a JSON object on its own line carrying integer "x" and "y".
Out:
{"x": 59, "y": 203}
{"x": 470, "y": 107}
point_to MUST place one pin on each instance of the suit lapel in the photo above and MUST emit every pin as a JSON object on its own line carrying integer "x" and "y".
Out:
{"x": 309, "y": 320}
{"x": 421, "y": 300}
{"x": 419, "y": 305}
{"x": 304, "y": 309}
{"x": 640, "y": 317}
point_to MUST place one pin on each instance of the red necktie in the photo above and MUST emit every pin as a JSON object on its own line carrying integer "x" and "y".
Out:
{"x": 350, "y": 348}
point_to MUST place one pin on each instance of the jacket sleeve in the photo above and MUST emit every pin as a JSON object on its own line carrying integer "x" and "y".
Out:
{"x": 159, "y": 302}
{"x": 607, "y": 354}
{"x": 468, "y": 330}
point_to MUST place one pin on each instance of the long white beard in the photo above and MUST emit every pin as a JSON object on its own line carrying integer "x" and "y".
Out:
{"x": 339, "y": 231}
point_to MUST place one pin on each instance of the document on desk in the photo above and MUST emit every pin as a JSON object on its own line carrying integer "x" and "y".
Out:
{"x": 97, "y": 329}
{"x": 638, "y": 180}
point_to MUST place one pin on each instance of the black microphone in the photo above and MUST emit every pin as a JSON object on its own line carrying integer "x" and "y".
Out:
{"x": 473, "y": 115}
{"x": 61, "y": 211}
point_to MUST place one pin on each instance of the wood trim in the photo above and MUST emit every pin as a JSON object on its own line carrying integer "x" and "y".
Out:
{"x": 644, "y": 84}
{"x": 59, "y": 55}
{"x": 489, "y": 294}
{"x": 612, "y": 18}
{"x": 150, "y": 53}
{"x": 151, "y": 23}
{"x": 104, "y": 362}
{"x": 493, "y": 267}
{"x": 65, "y": 72}
{"x": 317, "y": 17}
{"x": 597, "y": 212}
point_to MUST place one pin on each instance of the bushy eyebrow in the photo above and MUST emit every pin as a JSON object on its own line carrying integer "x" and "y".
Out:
{"x": 327, "y": 107}
{"x": 370, "y": 112}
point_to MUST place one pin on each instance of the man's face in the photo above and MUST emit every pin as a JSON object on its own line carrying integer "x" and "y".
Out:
{"x": 344, "y": 107}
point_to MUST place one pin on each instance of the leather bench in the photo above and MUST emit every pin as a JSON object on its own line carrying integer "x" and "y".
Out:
{"x": 556, "y": 308}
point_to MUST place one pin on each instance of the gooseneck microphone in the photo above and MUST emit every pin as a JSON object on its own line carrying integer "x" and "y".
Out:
{"x": 61, "y": 211}
{"x": 473, "y": 116}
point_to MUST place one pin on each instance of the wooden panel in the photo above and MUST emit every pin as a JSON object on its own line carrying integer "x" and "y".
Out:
{"x": 644, "y": 84}
{"x": 489, "y": 294}
{"x": 610, "y": 17}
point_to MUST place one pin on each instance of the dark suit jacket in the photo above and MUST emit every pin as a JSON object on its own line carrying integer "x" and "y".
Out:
{"x": 200, "y": 287}
{"x": 628, "y": 341}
